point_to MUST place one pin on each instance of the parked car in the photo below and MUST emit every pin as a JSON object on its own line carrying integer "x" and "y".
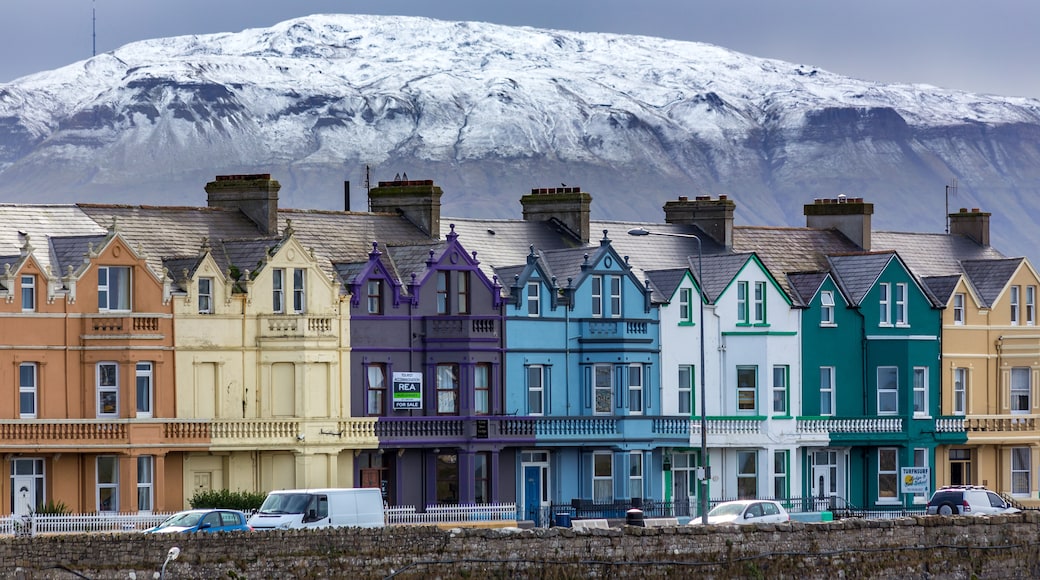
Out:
{"x": 203, "y": 520}
{"x": 747, "y": 511}
{"x": 968, "y": 500}
{"x": 320, "y": 508}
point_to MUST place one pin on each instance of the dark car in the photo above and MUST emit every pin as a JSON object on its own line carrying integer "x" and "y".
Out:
{"x": 203, "y": 520}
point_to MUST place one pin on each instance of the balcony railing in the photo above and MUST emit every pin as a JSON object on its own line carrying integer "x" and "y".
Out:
{"x": 729, "y": 426}
{"x": 448, "y": 430}
{"x": 297, "y": 326}
{"x": 592, "y": 429}
{"x": 108, "y": 433}
{"x": 461, "y": 328}
{"x": 1001, "y": 423}
{"x": 615, "y": 330}
{"x": 107, "y": 324}
{"x": 851, "y": 425}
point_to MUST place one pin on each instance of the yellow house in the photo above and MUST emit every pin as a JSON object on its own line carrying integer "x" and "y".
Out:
{"x": 991, "y": 370}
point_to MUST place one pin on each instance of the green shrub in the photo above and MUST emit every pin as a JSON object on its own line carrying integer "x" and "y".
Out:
{"x": 53, "y": 508}
{"x": 246, "y": 501}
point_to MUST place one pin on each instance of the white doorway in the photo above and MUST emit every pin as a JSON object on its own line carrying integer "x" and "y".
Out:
{"x": 27, "y": 481}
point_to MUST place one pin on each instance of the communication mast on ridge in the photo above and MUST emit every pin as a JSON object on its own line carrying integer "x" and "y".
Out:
{"x": 952, "y": 187}
{"x": 93, "y": 28}
{"x": 368, "y": 187}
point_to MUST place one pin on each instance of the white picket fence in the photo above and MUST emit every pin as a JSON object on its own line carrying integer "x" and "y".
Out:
{"x": 447, "y": 514}
{"x": 34, "y": 524}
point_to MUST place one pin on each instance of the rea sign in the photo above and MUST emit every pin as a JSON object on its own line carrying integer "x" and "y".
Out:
{"x": 407, "y": 393}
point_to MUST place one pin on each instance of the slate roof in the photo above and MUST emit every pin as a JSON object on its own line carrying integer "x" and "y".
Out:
{"x": 181, "y": 268}
{"x": 665, "y": 282}
{"x": 933, "y": 254}
{"x": 942, "y": 286}
{"x": 248, "y": 254}
{"x": 782, "y": 250}
{"x": 857, "y": 273}
{"x": 990, "y": 277}
{"x": 719, "y": 271}
{"x": 805, "y": 285}
{"x": 69, "y": 251}
{"x": 40, "y": 223}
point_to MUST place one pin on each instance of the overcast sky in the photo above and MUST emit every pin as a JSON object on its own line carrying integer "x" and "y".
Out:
{"x": 985, "y": 46}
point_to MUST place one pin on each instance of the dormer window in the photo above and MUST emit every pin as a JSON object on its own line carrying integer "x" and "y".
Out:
{"x": 374, "y": 296}
{"x": 760, "y": 302}
{"x": 685, "y": 306}
{"x": 205, "y": 295}
{"x": 1015, "y": 305}
{"x": 278, "y": 290}
{"x": 827, "y": 308}
{"x": 28, "y": 293}
{"x": 113, "y": 288}
{"x": 958, "y": 309}
{"x": 299, "y": 294}
{"x": 534, "y": 298}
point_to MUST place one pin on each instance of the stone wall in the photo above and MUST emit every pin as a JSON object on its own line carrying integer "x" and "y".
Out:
{"x": 923, "y": 547}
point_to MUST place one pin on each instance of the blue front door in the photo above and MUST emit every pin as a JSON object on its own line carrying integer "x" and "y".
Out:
{"x": 533, "y": 494}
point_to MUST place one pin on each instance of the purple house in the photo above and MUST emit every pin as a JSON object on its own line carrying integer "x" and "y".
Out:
{"x": 427, "y": 344}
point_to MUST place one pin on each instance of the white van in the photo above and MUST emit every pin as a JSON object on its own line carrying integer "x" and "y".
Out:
{"x": 320, "y": 508}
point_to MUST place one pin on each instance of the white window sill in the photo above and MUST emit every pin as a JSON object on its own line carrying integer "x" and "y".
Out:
{"x": 828, "y": 325}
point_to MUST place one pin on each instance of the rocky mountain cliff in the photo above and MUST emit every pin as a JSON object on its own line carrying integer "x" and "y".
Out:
{"x": 489, "y": 111}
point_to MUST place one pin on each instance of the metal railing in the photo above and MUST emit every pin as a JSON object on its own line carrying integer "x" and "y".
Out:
{"x": 34, "y": 524}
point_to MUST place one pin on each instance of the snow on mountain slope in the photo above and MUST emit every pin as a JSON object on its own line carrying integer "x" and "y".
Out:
{"x": 489, "y": 111}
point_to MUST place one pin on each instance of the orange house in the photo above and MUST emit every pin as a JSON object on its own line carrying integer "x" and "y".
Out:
{"x": 86, "y": 372}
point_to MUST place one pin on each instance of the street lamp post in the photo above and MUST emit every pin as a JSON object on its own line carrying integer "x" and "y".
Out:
{"x": 704, "y": 472}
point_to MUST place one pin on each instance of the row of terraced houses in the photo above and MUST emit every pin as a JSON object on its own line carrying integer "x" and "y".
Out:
{"x": 148, "y": 353}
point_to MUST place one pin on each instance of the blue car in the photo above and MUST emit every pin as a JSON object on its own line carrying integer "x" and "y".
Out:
{"x": 204, "y": 520}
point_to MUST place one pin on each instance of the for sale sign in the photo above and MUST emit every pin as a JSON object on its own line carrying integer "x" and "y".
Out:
{"x": 407, "y": 391}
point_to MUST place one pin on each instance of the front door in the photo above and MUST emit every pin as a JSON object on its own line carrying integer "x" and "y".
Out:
{"x": 25, "y": 499}
{"x": 535, "y": 500}
{"x": 684, "y": 483}
{"x": 825, "y": 479}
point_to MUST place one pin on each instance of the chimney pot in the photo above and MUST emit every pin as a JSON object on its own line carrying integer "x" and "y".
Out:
{"x": 683, "y": 198}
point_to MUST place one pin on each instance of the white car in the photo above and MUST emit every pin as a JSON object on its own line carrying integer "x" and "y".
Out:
{"x": 746, "y": 511}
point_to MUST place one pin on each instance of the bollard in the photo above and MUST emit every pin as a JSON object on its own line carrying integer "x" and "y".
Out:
{"x": 634, "y": 517}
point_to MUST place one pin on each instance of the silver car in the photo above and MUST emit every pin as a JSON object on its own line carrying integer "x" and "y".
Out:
{"x": 747, "y": 511}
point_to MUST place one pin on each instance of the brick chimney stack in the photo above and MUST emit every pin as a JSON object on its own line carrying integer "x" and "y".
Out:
{"x": 255, "y": 195}
{"x": 419, "y": 201}
{"x": 714, "y": 217}
{"x": 973, "y": 224}
{"x": 569, "y": 205}
{"x": 848, "y": 215}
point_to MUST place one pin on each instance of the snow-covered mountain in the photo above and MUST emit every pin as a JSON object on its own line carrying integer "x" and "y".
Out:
{"x": 489, "y": 111}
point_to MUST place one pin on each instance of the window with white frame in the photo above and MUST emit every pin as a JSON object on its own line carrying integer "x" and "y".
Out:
{"x": 780, "y": 378}
{"x": 1015, "y": 305}
{"x": 920, "y": 460}
{"x": 28, "y": 393}
{"x": 144, "y": 388}
{"x": 299, "y": 291}
{"x": 1021, "y": 470}
{"x": 534, "y": 298}
{"x": 826, "y": 390}
{"x": 205, "y": 295}
{"x": 958, "y": 308}
{"x": 603, "y": 389}
{"x": 602, "y": 476}
{"x": 921, "y": 391}
{"x": 107, "y": 389}
{"x": 535, "y": 389}
{"x": 685, "y": 306}
{"x": 888, "y": 474}
{"x": 743, "y": 315}
{"x": 827, "y": 308}
{"x": 615, "y": 296}
{"x": 145, "y": 479}
{"x": 107, "y": 483}
{"x": 447, "y": 389}
{"x": 884, "y": 304}
{"x": 960, "y": 390}
{"x": 482, "y": 477}
{"x": 462, "y": 292}
{"x": 760, "y": 302}
{"x": 747, "y": 389}
{"x": 685, "y": 386}
{"x": 596, "y": 289}
{"x": 1030, "y": 305}
{"x": 442, "y": 292}
{"x": 747, "y": 474}
{"x": 635, "y": 474}
{"x": 780, "y": 469}
{"x": 278, "y": 290}
{"x": 375, "y": 376}
{"x": 1020, "y": 390}
{"x": 887, "y": 390}
{"x": 374, "y": 296}
{"x": 28, "y": 293}
{"x": 902, "y": 309}
{"x": 635, "y": 389}
{"x": 482, "y": 389}
{"x": 113, "y": 288}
